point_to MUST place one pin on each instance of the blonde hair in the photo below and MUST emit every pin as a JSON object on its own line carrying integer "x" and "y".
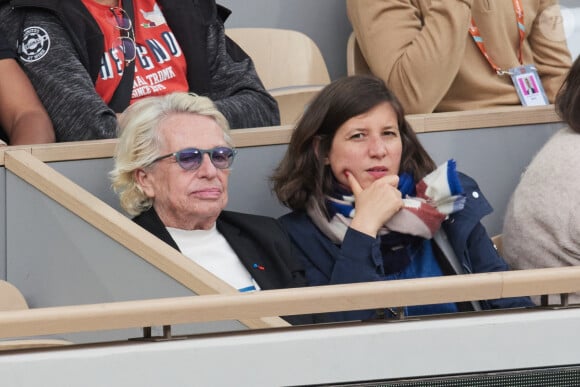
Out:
{"x": 139, "y": 141}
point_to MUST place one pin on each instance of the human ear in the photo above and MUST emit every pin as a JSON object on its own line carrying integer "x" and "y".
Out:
{"x": 316, "y": 146}
{"x": 145, "y": 181}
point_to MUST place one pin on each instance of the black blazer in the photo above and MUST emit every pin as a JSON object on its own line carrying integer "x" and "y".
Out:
{"x": 260, "y": 243}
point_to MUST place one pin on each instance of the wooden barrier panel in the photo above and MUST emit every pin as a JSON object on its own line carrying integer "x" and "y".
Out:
{"x": 331, "y": 298}
{"x": 338, "y": 354}
{"x": 145, "y": 247}
{"x": 496, "y": 164}
{"x": 421, "y": 123}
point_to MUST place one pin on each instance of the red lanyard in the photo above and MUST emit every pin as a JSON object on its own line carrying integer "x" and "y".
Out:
{"x": 474, "y": 32}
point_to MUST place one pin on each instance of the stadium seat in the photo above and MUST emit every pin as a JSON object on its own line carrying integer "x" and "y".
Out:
{"x": 12, "y": 299}
{"x": 289, "y": 64}
{"x": 355, "y": 61}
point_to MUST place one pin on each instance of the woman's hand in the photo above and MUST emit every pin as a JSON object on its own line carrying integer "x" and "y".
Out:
{"x": 376, "y": 204}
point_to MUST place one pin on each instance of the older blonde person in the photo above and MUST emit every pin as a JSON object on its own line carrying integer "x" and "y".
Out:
{"x": 172, "y": 166}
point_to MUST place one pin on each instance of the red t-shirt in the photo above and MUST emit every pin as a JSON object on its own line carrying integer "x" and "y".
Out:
{"x": 160, "y": 67}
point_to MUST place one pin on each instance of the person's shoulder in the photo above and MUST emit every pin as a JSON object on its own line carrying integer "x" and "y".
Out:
{"x": 294, "y": 217}
{"x": 44, "y": 14}
{"x": 297, "y": 222}
{"x": 555, "y": 161}
{"x": 476, "y": 203}
{"x": 207, "y": 10}
{"x": 565, "y": 134}
{"x": 147, "y": 219}
{"x": 245, "y": 218}
{"x": 258, "y": 226}
{"x": 58, "y": 6}
{"x": 562, "y": 145}
{"x": 467, "y": 182}
{"x": 223, "y": 13}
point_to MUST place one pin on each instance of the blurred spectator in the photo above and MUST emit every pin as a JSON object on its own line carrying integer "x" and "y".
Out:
{"x": 76, "y": 56}
{"x": 542, "y": 222}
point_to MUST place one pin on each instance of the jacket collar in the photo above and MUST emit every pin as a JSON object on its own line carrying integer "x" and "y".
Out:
{"x": 460, "y": 224}
{"x": 247, "y": 251}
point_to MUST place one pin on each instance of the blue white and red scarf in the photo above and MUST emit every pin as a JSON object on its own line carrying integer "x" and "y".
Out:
{"x": 425, "y": 206}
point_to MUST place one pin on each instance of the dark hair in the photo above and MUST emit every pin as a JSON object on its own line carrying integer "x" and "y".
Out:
{"x": 302, "y": 172}
{"x": 568, "y": 98}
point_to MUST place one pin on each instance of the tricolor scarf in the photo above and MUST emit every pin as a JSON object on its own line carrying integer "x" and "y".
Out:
{"x": 425, "y": 206}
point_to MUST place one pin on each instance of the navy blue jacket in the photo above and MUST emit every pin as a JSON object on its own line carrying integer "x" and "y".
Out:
{"x": 359, "y": 258}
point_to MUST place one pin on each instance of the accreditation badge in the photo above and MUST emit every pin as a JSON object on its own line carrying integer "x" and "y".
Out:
{"x": 529, "y": 86}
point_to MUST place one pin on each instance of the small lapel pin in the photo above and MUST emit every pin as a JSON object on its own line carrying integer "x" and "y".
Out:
{"x": 259, "y": 267}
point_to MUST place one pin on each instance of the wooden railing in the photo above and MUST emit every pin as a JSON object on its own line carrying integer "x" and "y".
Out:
{"x": 422, "y": 123}
{"x": 240, "y": 306}
{"x": 120, "y": 228}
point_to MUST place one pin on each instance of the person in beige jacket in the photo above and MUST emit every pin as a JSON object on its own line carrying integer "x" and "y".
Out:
{"x": 423, "y": 49}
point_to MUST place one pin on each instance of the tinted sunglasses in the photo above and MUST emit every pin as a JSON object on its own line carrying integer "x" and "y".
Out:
{"x": 190, "y": 159}
{"x": 127, "y": 39}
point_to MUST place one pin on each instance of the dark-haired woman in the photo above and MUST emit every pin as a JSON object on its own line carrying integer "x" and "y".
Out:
{"x": 368, "y": 201}
{"x": 542, "y": 223}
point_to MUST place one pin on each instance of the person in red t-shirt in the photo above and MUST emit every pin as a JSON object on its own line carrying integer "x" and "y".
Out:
{"x": 76, "y": 57}
{"x": 147, "y": 41}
